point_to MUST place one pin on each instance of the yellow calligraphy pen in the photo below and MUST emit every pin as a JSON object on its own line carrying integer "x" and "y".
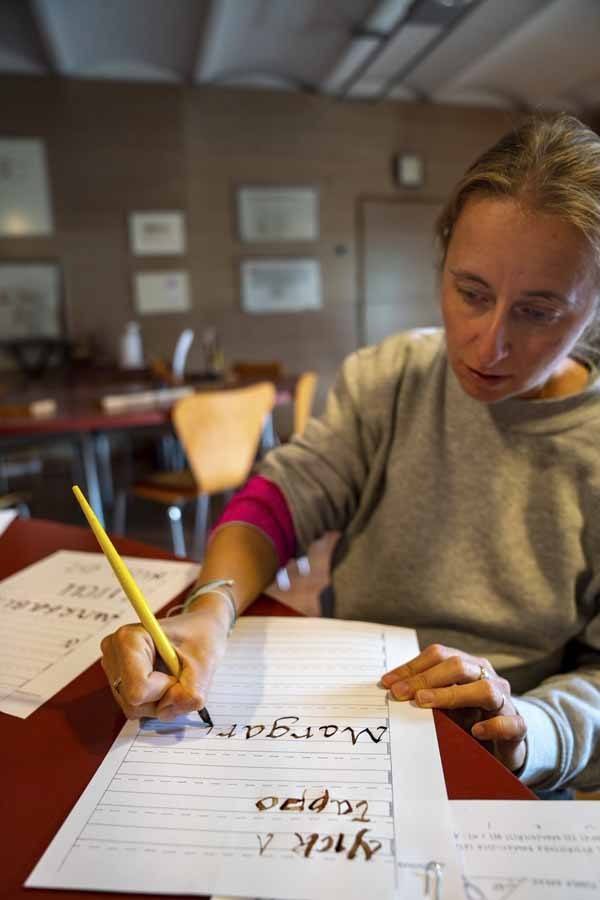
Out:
{"x": 134, "y": 594}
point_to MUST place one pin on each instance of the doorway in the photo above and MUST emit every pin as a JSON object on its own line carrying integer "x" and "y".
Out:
{"x": 400, "y": 283}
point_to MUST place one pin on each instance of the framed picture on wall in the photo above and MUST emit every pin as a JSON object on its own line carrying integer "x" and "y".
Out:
{"x": 25, "y": 207}
{"x": 157, "y": 233}
{"x": 30, "y": 301}
{"x": 273, "y": 214}
{"x": 280, "y": 285}
{"x": 161, "y": 292}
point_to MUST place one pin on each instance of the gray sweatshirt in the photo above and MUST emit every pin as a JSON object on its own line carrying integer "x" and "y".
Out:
{"x": 477, "y": 525}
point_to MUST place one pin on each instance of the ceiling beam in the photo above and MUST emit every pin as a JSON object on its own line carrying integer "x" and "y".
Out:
{"x": 211, "y": 40}
{"x": 425, "y": 51}
{"x": 374, "y": 39}
{"x": 48, "y": 35}
{"x": 201, "y": 43}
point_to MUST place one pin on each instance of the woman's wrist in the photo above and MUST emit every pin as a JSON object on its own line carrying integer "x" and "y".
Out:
{"x": 216, "y": 596}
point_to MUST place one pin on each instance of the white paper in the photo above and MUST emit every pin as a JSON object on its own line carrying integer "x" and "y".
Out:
{"x": 529, "y": 850}
{"x": 53, "y": 615}
{"x": 155, "y": 399}
{"x": 312, "y": 783}
{"x": 6, "y": 517}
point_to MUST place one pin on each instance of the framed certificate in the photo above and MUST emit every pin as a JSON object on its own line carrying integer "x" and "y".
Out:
{"x": 157, "y": 233}
{"x": 280, "y": 285}
{"x": 273, "y": 214}
{"x": 161, "y": 292}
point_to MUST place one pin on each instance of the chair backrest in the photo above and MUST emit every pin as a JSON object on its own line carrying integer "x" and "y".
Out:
{"x": 269, "y": 370}
{"x": 220, "y": 432}
{"x": 303, "y": 399}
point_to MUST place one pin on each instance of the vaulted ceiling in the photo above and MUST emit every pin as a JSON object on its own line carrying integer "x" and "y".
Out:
{"x": 518, "y": 54}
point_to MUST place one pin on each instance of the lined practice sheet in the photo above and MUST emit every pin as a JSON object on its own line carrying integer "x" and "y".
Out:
{"x": 310, "y": 784}
{"x": 54, "y": 613}
{"x": 529, "y": 850}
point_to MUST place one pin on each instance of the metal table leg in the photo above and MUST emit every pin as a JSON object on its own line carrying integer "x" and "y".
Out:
{"x": 92, "y": 480}
{"x": 104, "y": 465}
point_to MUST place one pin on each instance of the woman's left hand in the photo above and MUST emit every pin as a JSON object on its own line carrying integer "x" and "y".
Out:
{"x": 478, "y": 699}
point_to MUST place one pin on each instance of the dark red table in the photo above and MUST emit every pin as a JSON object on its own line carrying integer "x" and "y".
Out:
{"x": 48, "y": 758}
{"x": 81, "y": 420}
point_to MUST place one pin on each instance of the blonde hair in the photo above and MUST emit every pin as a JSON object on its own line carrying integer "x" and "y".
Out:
{"x": 551, "y": 164}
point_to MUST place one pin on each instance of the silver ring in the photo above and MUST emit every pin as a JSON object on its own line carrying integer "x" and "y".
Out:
{"x": 116, "y": 685}
{"x": 483, "y": 673}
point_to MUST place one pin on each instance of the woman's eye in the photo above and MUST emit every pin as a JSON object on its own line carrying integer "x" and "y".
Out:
{"x": 473, "y": 298}
{"x": 537, "y": 314}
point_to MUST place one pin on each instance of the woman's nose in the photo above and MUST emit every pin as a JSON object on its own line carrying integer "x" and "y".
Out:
{"x": 493, "y": 344}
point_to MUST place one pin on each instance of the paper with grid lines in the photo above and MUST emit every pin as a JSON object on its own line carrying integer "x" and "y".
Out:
{"x": 310, "y": 783}
{"x": 54, "y": 613}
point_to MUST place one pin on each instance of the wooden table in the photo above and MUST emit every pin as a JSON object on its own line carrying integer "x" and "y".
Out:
{"x": 80, "y": 419}
{"x": 49, "y": 758}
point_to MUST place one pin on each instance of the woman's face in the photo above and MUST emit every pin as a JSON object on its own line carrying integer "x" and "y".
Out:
{"x": 518, "y": 290}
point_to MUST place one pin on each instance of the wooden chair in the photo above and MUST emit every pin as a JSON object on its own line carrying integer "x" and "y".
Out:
{"x": 220, "y": 432}
{"x": 246, "y": 371}
{"x": 304, "y": 395}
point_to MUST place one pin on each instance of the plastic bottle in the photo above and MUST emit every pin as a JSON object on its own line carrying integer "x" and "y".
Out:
{"x": 131, "y": 351}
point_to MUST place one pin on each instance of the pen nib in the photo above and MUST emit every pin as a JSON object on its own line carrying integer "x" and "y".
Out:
{"x": 203, "y": 713}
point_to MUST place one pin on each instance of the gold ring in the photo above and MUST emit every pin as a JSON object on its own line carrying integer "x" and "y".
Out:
{"x": 116, "y": 685}
{"x": 483, "y": 673}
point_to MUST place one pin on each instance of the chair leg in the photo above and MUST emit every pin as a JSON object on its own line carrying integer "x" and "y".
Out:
{"x": 104, "y": 456}
{"x": 23, "y": 510}
{"x": 268, "y": 438}
{"x": 201, "y": 525}
{"x": 177, "y": 535}
{"x": 120, "y": 512}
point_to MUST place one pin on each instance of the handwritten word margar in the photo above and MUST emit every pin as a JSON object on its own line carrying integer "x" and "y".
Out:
{"x": 278, "y": 730}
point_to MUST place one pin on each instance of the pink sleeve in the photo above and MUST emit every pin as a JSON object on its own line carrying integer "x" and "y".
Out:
{"x": 261, "y": 503}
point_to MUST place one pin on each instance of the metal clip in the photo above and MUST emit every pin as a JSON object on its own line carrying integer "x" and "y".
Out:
{"x": 433, "y": 880}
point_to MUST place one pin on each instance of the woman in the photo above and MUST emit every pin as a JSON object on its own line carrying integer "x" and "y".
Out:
{"x": 462, "y": 467}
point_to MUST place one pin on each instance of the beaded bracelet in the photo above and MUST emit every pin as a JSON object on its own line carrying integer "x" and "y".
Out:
{"x": 222, "y": 587}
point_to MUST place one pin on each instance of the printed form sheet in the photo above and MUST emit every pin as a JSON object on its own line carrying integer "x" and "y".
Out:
{"x": 529, "y": 850}
{"x": 53, "y": 615}
{"x": 311, "y": 784}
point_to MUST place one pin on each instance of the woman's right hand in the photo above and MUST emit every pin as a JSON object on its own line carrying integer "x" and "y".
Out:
{"x": 135, "y": 672}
